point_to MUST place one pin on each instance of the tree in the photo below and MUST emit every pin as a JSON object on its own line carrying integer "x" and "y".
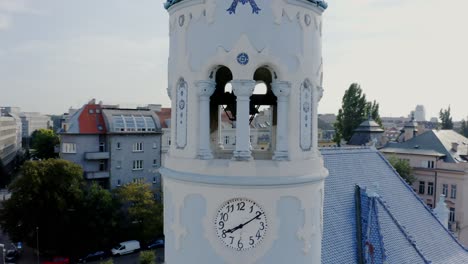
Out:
{"x": 44, "y": 192}
{"x": 403, "y": 168}
{"x": 464, "y": 128}
{"x": 142, "y": 215}
{"x": 43, "y": 141}
{"x": 445, "y": 118}
{"x": 147, "y": 257}
{"x": 354, "y": 110}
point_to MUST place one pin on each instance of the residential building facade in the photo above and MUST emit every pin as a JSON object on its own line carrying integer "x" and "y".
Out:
{"x": 114, "y": 146}
{"x": 10, "y": 135}
{"x": 440, "y": 164}
{"x": 32, "y": 121}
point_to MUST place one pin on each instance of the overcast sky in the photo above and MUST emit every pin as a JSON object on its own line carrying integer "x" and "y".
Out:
{"x": 55, "y": 54}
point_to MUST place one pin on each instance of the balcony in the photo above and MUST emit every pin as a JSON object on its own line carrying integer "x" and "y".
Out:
{"x": 91, "y": 175}
{"x": 97, "y": 155}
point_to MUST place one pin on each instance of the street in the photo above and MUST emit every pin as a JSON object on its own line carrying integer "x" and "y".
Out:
{"x": 134, "y": 258}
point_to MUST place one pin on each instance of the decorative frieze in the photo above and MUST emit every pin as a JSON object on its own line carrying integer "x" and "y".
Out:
{"x": 181, "y": 113}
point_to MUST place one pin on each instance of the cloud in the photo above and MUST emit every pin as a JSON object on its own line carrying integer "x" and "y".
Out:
{"x": 10, "y": 8}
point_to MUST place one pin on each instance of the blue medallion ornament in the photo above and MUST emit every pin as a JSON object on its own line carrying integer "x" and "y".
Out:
{"x": 232, "y": 8}
{"x": 243, "y": 58}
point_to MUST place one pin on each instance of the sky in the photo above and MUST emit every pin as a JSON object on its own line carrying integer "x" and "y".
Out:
{"x": 57, "y": 54}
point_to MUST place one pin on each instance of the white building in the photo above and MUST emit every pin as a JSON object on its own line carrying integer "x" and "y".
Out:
{"x": 420, "y": 113}
{"x": 10, "y": 134}
{"x": 33, "y": 121}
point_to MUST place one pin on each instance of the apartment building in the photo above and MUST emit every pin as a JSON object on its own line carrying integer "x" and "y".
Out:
{"x": 114, "y": 146}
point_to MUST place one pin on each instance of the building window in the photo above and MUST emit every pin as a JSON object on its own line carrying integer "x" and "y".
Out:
{"x": 430, "y": 164}
{"x": 430, "y": 205}
{"x": 421, "y": 187}
{"x": 119, "y": 182}
{"x": 452, "y": 214}
{"x": 445, "y": 189}
{"x": 430, "y": 188}
{"x": 118, "y": 145}
{"x": 68, "y": 148}
{"x": 169, "y": 140}
{"x": 155, "y": 145}
{"x": 98, "y": 111}
{"x": 453, "y": 191}
{"x": 154, "y": 179}
{"x": 91, "y": 111}
{"x": 138, "y": 147}
{"x": 102, "y": 165}
{"x": 155, "y": 162}
{"x": 137, "y": 164}
{"x": 102, "y": 146}
{"x": 119, "y": 164}
{"x": 139, "y": 180}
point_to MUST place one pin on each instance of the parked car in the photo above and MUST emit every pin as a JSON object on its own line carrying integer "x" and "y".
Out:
{"x": 57, "y": 260}
{"x": 158, "y": 243}
{"x": 11, "y": 256}
{"x": 126, "y": 247}
{"x": 98, "y": 255}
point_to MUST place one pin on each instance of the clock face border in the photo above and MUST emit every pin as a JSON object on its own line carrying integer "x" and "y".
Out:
{"x": 242, "y": 219}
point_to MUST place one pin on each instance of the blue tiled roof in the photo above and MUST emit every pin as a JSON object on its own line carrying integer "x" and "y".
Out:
{"x": 320, "y": 3}
{"x": 410, "y": 232}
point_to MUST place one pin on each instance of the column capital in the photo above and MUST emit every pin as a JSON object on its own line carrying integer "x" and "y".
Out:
{"x": 243, "y": 88}
{"x": 205, "y": 87}
{"x": 281, "y": 88}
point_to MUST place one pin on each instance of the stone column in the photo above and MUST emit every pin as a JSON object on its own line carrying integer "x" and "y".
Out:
{"x": 282, "y": 90}
{"x": 205, "y": 89}
{"x": 220, "y": 127}
{"x": 243, "y": 89}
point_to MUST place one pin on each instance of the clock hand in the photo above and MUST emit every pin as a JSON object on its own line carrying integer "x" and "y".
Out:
{"x": 242, "y": 225}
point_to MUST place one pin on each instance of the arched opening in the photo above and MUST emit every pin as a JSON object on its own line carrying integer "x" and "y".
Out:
{"x": 262, "y": 124}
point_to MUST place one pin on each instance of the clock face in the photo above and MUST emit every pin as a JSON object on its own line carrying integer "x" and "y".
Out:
{"x": 241, "y": 224}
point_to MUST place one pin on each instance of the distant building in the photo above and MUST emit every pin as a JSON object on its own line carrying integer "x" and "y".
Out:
{"x": 32, "y": 121}
{"x": 114, "y": 146}
{"x": 439, "y": 159}
{"x": 368, "y": 133}
{"x": 10, "y": 135}
{"x": 420, "y": 113}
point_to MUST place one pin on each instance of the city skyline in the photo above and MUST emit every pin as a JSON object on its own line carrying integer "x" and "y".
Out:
{"x": 60, "y": 54}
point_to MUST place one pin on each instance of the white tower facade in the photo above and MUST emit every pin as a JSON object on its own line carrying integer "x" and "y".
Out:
{"x": 244, "y": 206}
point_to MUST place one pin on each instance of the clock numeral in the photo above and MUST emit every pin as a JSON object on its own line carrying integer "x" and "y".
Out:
{"x": 230, "y": 208}
{"x": 224, "y": 217}
{"x": 221, "y": 224}
{"x": 263, "y": 226}
{"x": 239, "y": 244}
{"x": 251, "y": 209}
{"x": 258, "y": 235}
{"x": 224, "y": 234}
{"x": 251, "y": 241}
{"x": 258, "y": 214}
{"x": 240, "y": 206}
{"x": 232, "y": 239}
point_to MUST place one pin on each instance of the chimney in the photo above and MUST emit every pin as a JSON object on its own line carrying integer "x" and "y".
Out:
{"x": 455, "y": 146}
{"x": 441, "y": 211}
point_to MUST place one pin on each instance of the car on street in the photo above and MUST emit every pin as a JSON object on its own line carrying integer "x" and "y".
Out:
{"x": 158, "y": 243}
{"x": 11, "y": 256}
{"x": 57, "y": 260}
{"x": 126, "y": 247}
{"x": 98, "y": 255}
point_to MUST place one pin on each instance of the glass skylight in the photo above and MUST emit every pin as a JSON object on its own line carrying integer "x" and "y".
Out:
{"x": 138, "y": 123}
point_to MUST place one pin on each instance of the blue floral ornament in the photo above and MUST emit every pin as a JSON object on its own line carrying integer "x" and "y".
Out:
{"x": 243, "y": 58}
{"x": 232, "y": 8}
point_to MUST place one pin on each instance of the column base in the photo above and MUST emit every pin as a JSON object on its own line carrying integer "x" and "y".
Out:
{"x": 220, "y": 146}
{"x": 242, "y": 155}
{"x": 204, "y": 154}
{"x": 281, "y": 155}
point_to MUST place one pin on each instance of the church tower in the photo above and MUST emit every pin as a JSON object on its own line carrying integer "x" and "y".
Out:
{"x": 245, "y": 204}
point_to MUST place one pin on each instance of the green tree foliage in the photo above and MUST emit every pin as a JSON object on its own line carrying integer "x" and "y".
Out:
{"x": 109, "y": 261}
{"x": 43, "y": 142}
{"x": 52, "y": 195}
{"x": 147, "y": 257}
{"x": 446, "y": 118}
{"x": 354, "y": 110}
{"x": 464, "y": 128}
{"x": 4, "y": 175}
{"x": 403, "y": 168}
{"x": 142, "y": 215}
{"x": 43, "y": 193}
